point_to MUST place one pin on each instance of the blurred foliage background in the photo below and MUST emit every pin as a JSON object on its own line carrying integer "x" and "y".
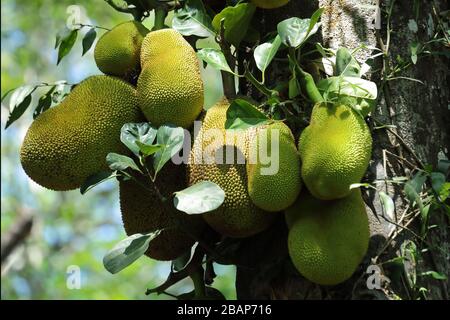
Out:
{"x": 68, "y": 229}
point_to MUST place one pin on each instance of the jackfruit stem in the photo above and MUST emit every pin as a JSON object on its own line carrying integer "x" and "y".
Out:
{"x": 258, "y": 85}
{"x": 160, "y": 17}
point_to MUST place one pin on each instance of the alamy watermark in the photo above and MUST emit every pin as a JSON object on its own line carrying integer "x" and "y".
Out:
{"x": 73, "y": 280}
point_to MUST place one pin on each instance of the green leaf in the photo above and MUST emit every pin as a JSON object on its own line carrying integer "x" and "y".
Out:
{"x": 171, "y": 139}
{"x": 192, "y": 20}
{"x": 243, "y": 115}
{"x": 313, "y": 24}
{"x": 418, "y": 180}
{"x": 120, "y": 162}
{"x": 437, "y": 181}
{"x": 66, "y": 44}
{"x": 388, "y": 205}
{"x": 202, "y": 197}
{"x": 236, "y": 22}
{"x": 88, "y": 40}
{"x": 295, "y": 31}
{"x": 434, "y": 274}
{"x": 131, "y": 133}
{"x": 215, "y": 58}
{"x": 408, "y": 250}
{"x": 414, "y": 48}
{"x": 443, "y": 166}
{"x": 45, "y": 102}
{"x": 127, "y": 251}
{"x": 264, "y": 53}
{"x": 358, "y": 93}
{"x": 19, "y": 102}
{"x": 346, "y": 64}
{"x": 445, "y": 192}
{"x": 148, "y": 150}
{"x": 96, "y": 179}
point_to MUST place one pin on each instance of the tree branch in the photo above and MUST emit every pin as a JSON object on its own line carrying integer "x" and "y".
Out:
{"x": 16, "y": 236}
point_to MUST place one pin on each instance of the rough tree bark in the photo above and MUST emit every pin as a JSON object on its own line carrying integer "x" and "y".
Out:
{"x": 421, "y": 116}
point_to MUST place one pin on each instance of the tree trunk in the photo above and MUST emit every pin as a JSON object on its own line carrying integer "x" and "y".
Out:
{"x": 419, "y": 112}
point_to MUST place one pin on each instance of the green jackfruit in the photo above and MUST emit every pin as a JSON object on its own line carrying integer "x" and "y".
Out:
{"x": 328, "y": 239}
{"x": 69, "y": 142}
{"x": 143, "y": 212}
{"x": 270, "y": 4}
{"x": 237, "y": 216}
{"x": 335, "y": 150}
{"x": 118, "y": 51}
{"x": 170, "y": 89}
{"x": 274, "y": 192}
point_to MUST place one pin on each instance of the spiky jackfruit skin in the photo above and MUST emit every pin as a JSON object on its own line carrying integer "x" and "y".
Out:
{"x": 328, "y": 239}
{"x": 69, "y": 142}
{"x": 118, "y": 51}
{"x": 142, "y": 212}
{"x": 270, "y": 4}
{"x": 170, "y": 89}
{"x": 335, "y": 150}
{"x": 277, "y": 191}
{"x": 237, "y": 216}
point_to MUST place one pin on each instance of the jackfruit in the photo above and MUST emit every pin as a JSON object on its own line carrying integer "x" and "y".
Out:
{"x": 237, "y": 216}
{"x": 274, "y": 191}
{"x": 270, "y": 4}
{"x": 170, "y": 89}
{"x": 118, "y": 51}
{"x": 328, "y": 239}
{"x": 69, "y": 142}
{"x": 143, "y": 212}
{"x": 335, "y": 150}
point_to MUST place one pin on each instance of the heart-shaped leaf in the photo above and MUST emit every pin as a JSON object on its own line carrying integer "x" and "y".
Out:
{"x": 192, "y": 20}
{"x": 215, "y": 58}
{"x": 127, "y": 251}
{"x": 120, "y": 162}
{"x": 346, "y": 64}
{"x": 358, "y": 93}
{"x": 236, "y": 21}
{"x": 202, "y": 197}
{"x": 243, "y": 115}
{"x": 171, "y": 140}
{"x": 264, "y": 53}
{"x": 148, "y": 150}
{"x": 295, "y": 31}
{"x": 137, "y": 132}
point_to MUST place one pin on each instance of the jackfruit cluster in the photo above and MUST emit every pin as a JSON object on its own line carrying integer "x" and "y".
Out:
{"x": 335, "y": 150}
{"x": 328, "y": 225}
{"x": 248, "y": 194}
{"x": 328, "y": 239}
{"x": 143, "y": 211}
{"x": 117, "y": 52}
{"x": 270, "y": 4}
{"x": 69, "y": 142}
{"x": 170, "y": 89}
